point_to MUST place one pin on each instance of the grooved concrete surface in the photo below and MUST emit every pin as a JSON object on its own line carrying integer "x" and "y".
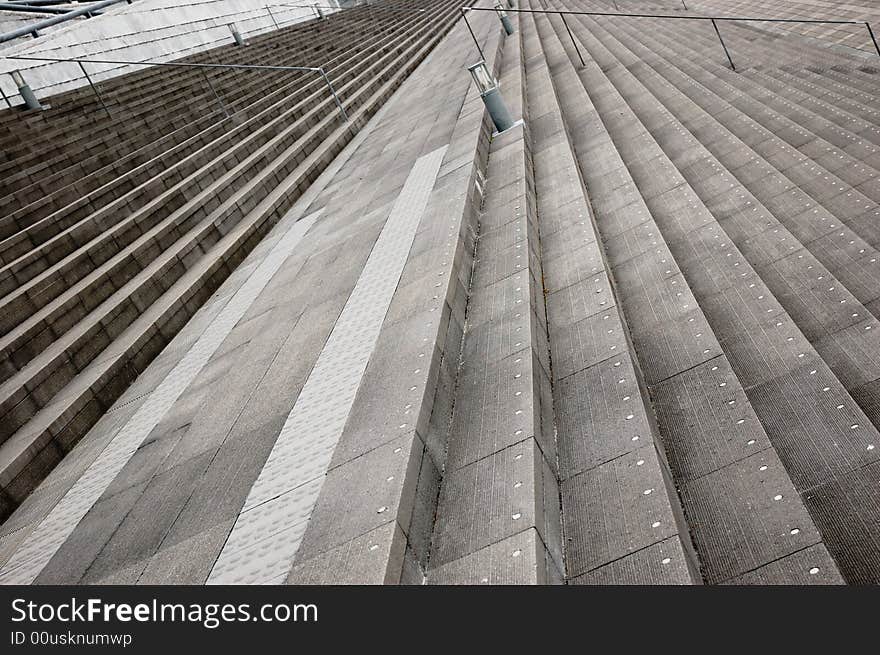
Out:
{"x": 33, "y": 554}
{"x": 631, "y": 340}
{"x": 284, "y": 492}
{"x": 164, "y": 507}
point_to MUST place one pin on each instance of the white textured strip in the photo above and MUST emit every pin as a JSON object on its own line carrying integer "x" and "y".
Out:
{"x": 268, "y": 531}
{"x": 38, "y": 548}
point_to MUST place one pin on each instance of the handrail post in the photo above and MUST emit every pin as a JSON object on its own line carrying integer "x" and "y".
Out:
{"x": 473, "y": 36}
{"x": 272, "y": 16}
{"x": 333, "y": 93}
{"x": 715, "y": 25}
{"x": 571, "y": 36}
{"x": 94, "y": 88}
{"x": 216, "y": 95}
{"x": 871, "y": 32}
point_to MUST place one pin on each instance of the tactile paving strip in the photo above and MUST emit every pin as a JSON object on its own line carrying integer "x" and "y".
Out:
{"x": 305, "y": 445}
{"x": 36, "y": 551}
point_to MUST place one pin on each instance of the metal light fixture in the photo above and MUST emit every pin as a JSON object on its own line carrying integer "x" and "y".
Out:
{"x": 505, "y": 19}
{"x": 491, "y": 96}
{"x": 236, "y": 35}
{"x": 27, "y": 94}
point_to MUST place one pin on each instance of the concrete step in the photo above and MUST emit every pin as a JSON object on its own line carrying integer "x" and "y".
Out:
{"x": 731, "y": 490}
{"x": 76, "y": 170}
{"x": 771, "y": 386}
{"x": 136, "y": 115}
{"x": 789, "y": 249}
{"x": 403, "y": 407}
{"x": 809, "y": 88}
{"x": 787, "y": 118}
{"x": 499, "y": 499}
{"x": 852, "y": 459}
{"x": 609, "y": 449}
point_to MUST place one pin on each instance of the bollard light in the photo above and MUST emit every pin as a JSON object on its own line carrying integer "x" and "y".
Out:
{"x": 505, "y": 19}
{"x": 27, "y": 94}
{"x": 491, "y": 96}
{"x": 236, "y": 35}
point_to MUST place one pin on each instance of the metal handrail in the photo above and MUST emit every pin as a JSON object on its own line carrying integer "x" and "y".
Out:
{"x": 366, "y": 4}
{"x": 35, "y": 28}
{"x": 315, "y": 69}
{"x": 563, "y": 12}
{"x": 32, "y": 9}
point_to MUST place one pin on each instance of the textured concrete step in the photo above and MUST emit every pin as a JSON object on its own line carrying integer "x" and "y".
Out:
{"x": 607, "y": 436}
{"x": 852, "y": 450}
{"x": 158, "y": 256}
{"x": 806, "y": 133}
{"x": 833, "y": 319}
{"x": 821, "y": 120}
{"x": 771, "y": 384}
{"x": 499, "y": 497}
{"x": 732, "y": 490}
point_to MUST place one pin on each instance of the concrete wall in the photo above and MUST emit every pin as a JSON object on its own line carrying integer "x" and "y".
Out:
{"x": 146, "y": 30}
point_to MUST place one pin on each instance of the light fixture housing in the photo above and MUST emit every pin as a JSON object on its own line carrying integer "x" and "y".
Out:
{"x": 27, "y": 94}
{"x": 491, "y": 96}
{"x": 504, "y": 18}
{"x": 236, "y": 34}
{"x": 482, "y": 78}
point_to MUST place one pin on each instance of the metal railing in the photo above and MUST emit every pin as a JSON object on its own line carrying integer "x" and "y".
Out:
{"x": 713, "y": 19}
{"x": 617, "y": 7}
{"x": 34, "y": 29}
{"x": 315, "y": 69}
{"x": 368, "y": 4}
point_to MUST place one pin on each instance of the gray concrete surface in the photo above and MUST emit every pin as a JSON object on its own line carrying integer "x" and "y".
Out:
{"x": 630, "y": 340}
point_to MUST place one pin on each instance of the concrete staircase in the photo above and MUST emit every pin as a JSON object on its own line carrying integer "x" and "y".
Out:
{"x": 631, "y": 340}
{"x": 760, "y": 249}
{"x": 98, "y": 277}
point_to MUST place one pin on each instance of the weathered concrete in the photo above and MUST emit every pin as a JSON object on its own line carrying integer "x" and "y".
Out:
{"x": 630, "y": 340}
